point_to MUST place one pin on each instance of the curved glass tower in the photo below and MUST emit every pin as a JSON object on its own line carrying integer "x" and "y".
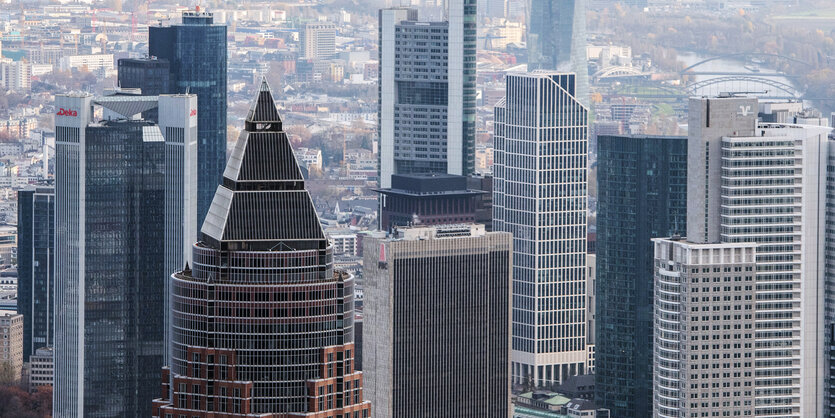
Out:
{"x": 261, "y": 324}
{"x": 557, "y": 40}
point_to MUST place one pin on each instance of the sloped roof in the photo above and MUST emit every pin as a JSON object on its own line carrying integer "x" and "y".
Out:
{"x": 262, "y": 203}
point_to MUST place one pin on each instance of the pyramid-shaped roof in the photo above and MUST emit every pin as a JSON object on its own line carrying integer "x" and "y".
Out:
{"x": 262, "y": 203}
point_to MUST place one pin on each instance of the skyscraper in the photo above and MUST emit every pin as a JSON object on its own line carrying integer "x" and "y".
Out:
{"x": 427, "y": 92}
{"x": 196, "y": 53}
{"x": 436, "y": 327}
{"x": 262, "y": 325}
{"x": 704, "y": 329}
{"x": 178, "y": 124}
{"x": 540, "y": 196}
{"x": 763, "y": 184}
{"x": 36, "y": 266}
{"x": 317, "y": 40}
{"x": 109, "y": 277}
{"x": 150, "y": 75}
{"x": 557, "y": 40}
{"x": 642, "y": 194}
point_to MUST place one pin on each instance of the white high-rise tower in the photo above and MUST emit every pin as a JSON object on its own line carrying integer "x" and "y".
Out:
{"x": 540, "y": 195}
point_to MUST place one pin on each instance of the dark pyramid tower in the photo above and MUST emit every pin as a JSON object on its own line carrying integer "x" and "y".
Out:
{"x": 262, "y": 325}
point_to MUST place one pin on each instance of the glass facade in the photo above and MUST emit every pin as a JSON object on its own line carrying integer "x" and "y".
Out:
{"x": 196, "y": 51}
{"x": 642, "y": 194}
{"x": 557, "y": 40}
{"x": 123, "y": 327}
{"x": 261, "y": 323}
{"x": 36, "y": 266}
{"x": 109, "y": 277}
{"x": 151, "y": 75}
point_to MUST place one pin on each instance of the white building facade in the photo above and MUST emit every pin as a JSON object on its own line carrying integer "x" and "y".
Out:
{"x": 765, "y": 184}
{"x": 540, "y": 196}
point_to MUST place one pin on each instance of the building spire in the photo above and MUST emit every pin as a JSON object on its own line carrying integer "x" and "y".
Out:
{"x": 262, "y": 201}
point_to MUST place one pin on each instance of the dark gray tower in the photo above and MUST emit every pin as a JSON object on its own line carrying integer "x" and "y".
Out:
{"x": 36, "y": 266}
{"x": 642, "y": 194}
{"x": 436, "y": 325}
{"x": 109, "y": 220}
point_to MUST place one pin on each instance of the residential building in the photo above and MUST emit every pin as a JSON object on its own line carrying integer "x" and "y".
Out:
{"x": 557, "y": 40}
{"x": 90, "y": 62}
{"x": 11, "y": 330}
{"x": 16, "y": 75}
{"x": 456, "y": 279}
{"x": 427, "y": 92}
{"x": 310, "y": 159}
{"x": 317, "y": 40}
{"x": 428, "y": 200}
{"x": 763, "y": 183}
{"x": 36, "y": 266}
{"x": 109, "y": 258}
{"x": 540, "y": 196}
{"x": 196, "y": 53}
{"x": 276, "y": 342}
{"x": 41, "y": 369}
{"x": 642, "y": 194}
{"x": 344, "y": 242}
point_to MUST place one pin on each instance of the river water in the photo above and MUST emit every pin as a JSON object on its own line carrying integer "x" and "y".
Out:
{"x": 728, "y": 65}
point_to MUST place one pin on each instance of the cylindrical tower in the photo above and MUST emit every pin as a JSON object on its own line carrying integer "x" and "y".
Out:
{"x": 261, "y": 324}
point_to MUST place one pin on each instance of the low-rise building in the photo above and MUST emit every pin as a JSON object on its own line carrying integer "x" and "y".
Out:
{"x": 91, "y": 62}
{"x": 41, "y": 368}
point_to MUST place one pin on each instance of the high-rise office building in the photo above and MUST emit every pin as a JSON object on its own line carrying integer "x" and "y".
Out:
{"x": 704, "y": 329}
{"x": 109, "y": 278}
{"x": 262, "y": 325}
{"x": 494, "y": 8}
{"x": 196, "y": 53}
{"x": 557, "y": 40}
{"x": 540, "y": 196}
{"x": 764, "y": 184}
{"x": 642, "y": 194}
{"x": 36, "y": 266}
{"x": 436, "y": 327}
{"x": 178, "y": 125}
{"x": 150, "y": 75}
{"x": 317, "y": 40}
{"x": 427, "y": 92}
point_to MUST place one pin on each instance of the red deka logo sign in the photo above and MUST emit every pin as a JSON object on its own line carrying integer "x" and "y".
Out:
{"x": 66, "y": 112}
{"x": 193, "y": 112}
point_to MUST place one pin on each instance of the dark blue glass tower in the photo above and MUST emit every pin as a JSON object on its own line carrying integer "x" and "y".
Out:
{"x": 36, "y": 266}
{"x": 151, "y": 75}
{"x": 196, "y": 52}
{"x": 642, "y": 194}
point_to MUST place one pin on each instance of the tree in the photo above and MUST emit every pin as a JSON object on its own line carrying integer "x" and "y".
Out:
{"x": 8, "y": 375}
